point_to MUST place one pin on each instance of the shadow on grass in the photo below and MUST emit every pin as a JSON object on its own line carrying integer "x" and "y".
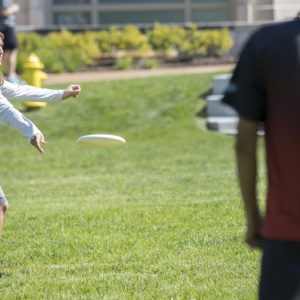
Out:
{"x": 29, "y": 109}
{"x": 205, "y": 94}
{"x": 5, "y": 275}
{"x": 203, "y": 112}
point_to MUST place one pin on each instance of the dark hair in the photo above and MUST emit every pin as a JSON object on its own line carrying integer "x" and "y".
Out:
{"x": 1, "y": 75}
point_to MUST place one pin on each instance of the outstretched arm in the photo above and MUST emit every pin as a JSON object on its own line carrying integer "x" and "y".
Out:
{"x": 246, "y": 141}
{"x": 31, "y": 93}
{"x": 15, "y": 119}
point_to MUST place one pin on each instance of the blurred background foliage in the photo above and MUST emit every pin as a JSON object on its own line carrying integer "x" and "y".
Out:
{"x": 126, "y": 48}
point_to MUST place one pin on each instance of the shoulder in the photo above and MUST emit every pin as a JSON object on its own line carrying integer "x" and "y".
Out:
{"x": 269, "y": 39}
{"x": 277, "y": 30}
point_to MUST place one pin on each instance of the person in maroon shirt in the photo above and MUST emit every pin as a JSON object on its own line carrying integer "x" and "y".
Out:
{"x": 265, "y": 88}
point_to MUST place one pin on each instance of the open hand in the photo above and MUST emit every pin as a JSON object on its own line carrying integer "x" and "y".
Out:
{"x": 37, "y": 140}
{"x": 71, "y": 91}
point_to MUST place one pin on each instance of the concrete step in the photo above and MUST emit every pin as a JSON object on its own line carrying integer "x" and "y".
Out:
{"x": 215, "y": 107}
{"x": 229, "y": 131}
{"x": 220, "y": 116}
{"x": 234, "y": 132}
{"x": 226, "y": 125}
{"x": 220, "y": 83}
{"x": 222, "y": 124}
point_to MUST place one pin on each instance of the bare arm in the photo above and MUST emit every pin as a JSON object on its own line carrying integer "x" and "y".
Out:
{"x": 14, "y": 9}
{"x": 38, "y": 138}
{"x": 246, "y": 142}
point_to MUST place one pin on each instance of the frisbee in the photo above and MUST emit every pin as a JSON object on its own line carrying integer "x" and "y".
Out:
{"x": 101, "y": 140}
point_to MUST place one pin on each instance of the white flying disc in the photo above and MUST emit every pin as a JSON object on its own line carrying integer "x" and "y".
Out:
{"x": 101, "y": 140}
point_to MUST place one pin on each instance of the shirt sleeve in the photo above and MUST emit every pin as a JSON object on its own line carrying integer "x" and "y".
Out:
{"x": 30, "y": 93}
{"x": 245, "y": 92}
{"x": 15, "y": 119}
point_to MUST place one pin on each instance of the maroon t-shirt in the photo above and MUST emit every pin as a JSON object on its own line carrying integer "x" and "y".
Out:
{"x": 266, "y": 87}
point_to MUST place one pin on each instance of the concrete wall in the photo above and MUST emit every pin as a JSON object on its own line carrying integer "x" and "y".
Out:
{"x": 240, "y": 35}
{"x": 32, "y": 13}
{"x": 267, "y": 10}
{"x": 285, "y": 9}
{"x": 42, "y": 12}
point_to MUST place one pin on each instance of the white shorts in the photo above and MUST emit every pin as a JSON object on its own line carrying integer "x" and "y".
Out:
{"x": 2, "y": 197}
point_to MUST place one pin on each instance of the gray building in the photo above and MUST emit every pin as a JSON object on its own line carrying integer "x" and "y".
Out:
{"x": 95, "y": 13}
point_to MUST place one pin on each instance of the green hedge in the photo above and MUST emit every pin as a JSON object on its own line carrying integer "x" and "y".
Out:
{"x": 59, "y": 51}
{"x": 66, "y": 51}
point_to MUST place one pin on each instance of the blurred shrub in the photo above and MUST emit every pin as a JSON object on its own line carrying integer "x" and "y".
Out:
{"x": 65, "y": 51}
{"x": 124, "y": 63}
{"x": 225, "y": 42}
{"x": 193, "y": 42}
{"x": 216, "y": 42}
{"x": 59, "y": 51}
{"x": 164, "y": 38}
{"x": 129, "y": 40}
{"x": 72, "y": 51}
{"x": 28, "y": 42}
{"x": 151, "y": 63}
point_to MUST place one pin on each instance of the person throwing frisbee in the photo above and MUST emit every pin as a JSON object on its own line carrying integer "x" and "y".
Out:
{"x": 16, "y": 120}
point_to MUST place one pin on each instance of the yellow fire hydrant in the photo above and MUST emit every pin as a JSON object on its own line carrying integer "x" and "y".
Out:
{"x": 34, "y": 77}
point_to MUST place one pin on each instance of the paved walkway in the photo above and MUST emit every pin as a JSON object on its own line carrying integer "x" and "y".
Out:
{"x": 113, "y": 75}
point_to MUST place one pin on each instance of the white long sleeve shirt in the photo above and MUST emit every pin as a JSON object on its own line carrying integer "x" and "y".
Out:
{"x": 15, "y": 119}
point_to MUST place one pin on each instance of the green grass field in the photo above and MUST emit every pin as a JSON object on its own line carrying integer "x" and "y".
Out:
{"x": 159, "y": 218}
